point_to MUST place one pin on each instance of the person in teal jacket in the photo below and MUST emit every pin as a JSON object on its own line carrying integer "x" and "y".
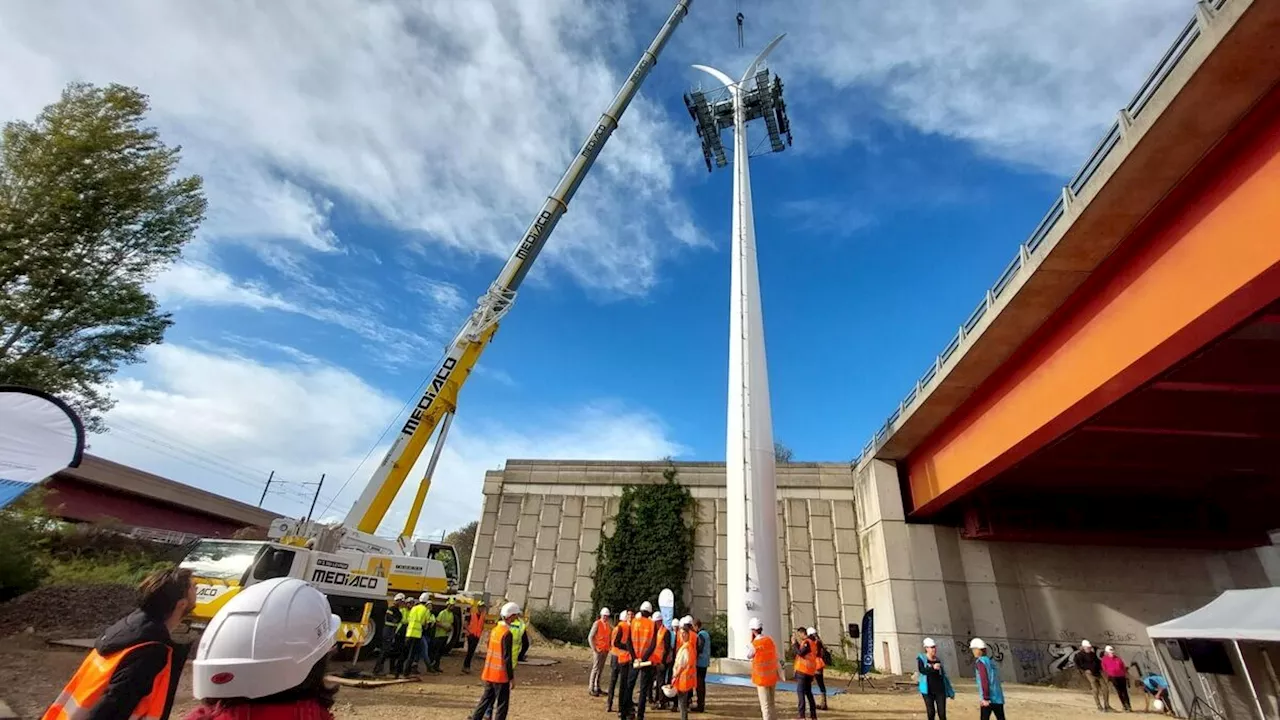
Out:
{"x": 704, "y": 662}
{"x": 935, "y": 686}
{"x": 987, "y": 674}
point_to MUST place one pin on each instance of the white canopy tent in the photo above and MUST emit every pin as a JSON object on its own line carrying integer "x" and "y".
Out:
{"x": 1221, "y": 661}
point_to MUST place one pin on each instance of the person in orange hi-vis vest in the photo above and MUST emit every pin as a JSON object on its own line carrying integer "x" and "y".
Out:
{"x": 499, "y": 673}
{"x": 133, "y": 669}
{"x": 621, "y": 660}
{"x": 601, "y": 632}
{"x": 820, "y": 658}
{"x": 805, "y": 667}
{"x": 764, "y": 669}
{"x": 475, "y": 628}
{"x": 644, "y": 653}
{"x": 661, "y": 662}
{"x": 684, "y": 671}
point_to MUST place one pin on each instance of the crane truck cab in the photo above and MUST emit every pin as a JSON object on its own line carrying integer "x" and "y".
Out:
{"x": 357, "y": 584}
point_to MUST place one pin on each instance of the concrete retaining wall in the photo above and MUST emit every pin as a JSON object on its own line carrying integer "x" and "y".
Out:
{"x": 845, "y": 545}
{"x": 542, "y": 522}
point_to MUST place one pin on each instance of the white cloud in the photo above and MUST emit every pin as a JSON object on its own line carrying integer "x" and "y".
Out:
{"x": 502, "y": 377}
{"x": 1029, "y": 82}
{"x": 446, "y": 295}
{"x": 448, "y": 120}
{"x": 223, "y": 421}
{"x": 825, "y": 218}
{"x": 198, "y": 283}
{"x": 195, "y": 283}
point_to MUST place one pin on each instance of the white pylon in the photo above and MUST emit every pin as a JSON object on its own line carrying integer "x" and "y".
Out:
{"x": 752, "y": 502}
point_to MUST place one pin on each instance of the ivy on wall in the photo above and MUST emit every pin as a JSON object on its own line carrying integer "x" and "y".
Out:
{"x": 651, "y": 547}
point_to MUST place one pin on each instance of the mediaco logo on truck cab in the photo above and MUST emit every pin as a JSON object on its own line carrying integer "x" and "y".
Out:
{"x": 207, "y": 593}
{"x": 337, "y": 576}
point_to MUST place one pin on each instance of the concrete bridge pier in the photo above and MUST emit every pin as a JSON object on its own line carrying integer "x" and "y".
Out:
{"x": 1031, "y": 602}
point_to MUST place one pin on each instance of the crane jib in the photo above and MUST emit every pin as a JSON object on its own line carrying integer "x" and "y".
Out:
{"x": 437, "y": 384}
{"x": 369, "y": 510}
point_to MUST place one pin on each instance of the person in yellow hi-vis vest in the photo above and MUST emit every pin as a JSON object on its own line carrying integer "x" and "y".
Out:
{"x": 133, "y": 669}
{"x": 521, "y": 638}
{"x": 417, "y": 621}
{"x": 428, "y": 633}
{"x": 444, "y": 628}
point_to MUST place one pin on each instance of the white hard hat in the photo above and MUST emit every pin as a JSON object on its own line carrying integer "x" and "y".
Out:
{"x": 1157, "y": 705}
{"x": 687, "y": 620}
{"x": 399, "y": 597}
{"x": 1108, "y": 649}
{"x": 755, "y": 624}
{"x": 646, "y": 607}
{"x": 812, "y": 632}
{"x": 604, "y": 612}
{"x": 1086, "y": 644}
{"x": 510, "y": 609}
{"x": 424, "y": 597}
{"x": 669, "y": 691}
{"x": 928, "y": 642}
{"x": 264, "y": 641}
{"x": 624, "y": 615}
{"x": 977, "y": 644}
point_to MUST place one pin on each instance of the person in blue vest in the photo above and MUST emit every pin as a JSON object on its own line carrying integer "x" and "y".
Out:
{"x": 1156, "y": 688}
{"x": 987, "y": 674}
{"x": 935, "y": 686}
{"x": 704, "y": 662}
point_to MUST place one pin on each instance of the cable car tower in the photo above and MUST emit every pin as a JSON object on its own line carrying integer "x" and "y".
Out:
{"x": 752, "y": 503}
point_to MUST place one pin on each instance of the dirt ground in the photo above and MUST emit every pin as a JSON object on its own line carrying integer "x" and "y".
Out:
{"x": 31, "y": 673}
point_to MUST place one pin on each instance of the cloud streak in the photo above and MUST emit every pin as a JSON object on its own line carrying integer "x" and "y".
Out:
{"x": 1031, "y": 83}
{"x": 241, "y": 418}
{"x": 288, "y": 108}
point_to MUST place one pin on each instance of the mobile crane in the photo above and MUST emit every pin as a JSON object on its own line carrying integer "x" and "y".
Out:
{"x": 355, "y": 568}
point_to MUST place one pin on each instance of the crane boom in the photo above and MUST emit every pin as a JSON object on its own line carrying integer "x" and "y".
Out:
{"x": 441, "y": 393}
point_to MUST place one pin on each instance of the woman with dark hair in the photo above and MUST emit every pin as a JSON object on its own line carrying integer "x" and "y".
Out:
{"x": 264, "y": 656}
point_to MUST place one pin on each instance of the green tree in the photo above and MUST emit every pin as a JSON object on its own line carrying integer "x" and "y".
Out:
{"x": 22, "y": 535}
{"x": 651, "y": 547}
{"x": 91, "y": 210}
{"x": 463, "y": 540}
{"x": 782, "y": 453}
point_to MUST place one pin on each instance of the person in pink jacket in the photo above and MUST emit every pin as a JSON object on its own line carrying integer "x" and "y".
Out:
{"x": 1118, "y": 673}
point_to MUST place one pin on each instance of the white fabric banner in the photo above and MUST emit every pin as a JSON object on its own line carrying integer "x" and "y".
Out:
{"x": 39, "y": 435}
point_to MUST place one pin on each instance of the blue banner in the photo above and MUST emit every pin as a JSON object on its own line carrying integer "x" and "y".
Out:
{"x": 868, "y": 642}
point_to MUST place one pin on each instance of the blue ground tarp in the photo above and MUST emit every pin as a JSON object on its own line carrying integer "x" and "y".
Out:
{"x": 739, "y": 681}
{"x": 11, "y": 490}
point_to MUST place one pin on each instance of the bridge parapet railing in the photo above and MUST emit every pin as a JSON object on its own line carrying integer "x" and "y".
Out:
{"x": 1031, "y": 248}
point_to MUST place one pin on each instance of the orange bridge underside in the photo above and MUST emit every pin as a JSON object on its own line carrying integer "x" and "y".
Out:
{"x": 1204, "y": 262}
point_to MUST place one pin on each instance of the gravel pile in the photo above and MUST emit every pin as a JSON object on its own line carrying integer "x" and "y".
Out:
{"x": 67, "y": 611}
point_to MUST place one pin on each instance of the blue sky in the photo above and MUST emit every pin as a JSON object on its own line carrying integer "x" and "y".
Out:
{"x": 370, "y": 165}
